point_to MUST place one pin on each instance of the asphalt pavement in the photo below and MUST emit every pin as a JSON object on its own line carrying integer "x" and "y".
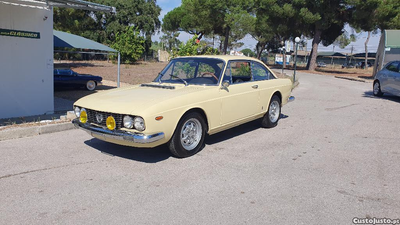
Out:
{"x": 334, "y": 156}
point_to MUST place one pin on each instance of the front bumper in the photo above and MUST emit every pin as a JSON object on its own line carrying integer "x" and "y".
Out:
{"x": 118, "y": 135}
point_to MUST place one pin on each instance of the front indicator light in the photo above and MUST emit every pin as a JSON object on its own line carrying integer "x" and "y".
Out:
{"x": 83, "y": 116}
{"x": 110, "y": 122}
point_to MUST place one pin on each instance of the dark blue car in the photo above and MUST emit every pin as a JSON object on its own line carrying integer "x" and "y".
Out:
{"x": 67, "y": 78}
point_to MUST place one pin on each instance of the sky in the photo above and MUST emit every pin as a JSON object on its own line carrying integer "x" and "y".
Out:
{"x": 249, "y": 42}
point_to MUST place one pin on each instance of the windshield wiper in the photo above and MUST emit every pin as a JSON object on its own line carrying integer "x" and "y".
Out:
{"x": 184, "y": 81}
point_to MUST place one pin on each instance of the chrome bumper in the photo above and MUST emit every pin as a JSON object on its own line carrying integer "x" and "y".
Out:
{"x": 117, "y": 134}
{"x": 291, "y": 99}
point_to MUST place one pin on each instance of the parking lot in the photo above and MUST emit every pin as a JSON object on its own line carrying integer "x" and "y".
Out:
{"x": 333, "y": 156}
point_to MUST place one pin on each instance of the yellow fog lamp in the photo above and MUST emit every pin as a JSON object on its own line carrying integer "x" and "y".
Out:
{"x": 110, "y": 122}
{"x": 83, "y": 116}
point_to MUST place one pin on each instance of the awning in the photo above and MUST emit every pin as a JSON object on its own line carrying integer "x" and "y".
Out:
{"x": 66, "y": 40}
{"x": 75, "y": 4}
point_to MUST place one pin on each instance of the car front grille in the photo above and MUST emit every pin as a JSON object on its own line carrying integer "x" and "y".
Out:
{"x": 92, "y": 118}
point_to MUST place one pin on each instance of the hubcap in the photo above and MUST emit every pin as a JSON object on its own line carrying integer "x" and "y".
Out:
{"x": 274, "y": 111}
{"x": 91, "y": 85}
{"x": 376, "y": 88}
{"x": 191, "y": 134}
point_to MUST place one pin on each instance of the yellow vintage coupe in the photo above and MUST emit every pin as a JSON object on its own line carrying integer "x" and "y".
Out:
{"x": 190, "y": 97}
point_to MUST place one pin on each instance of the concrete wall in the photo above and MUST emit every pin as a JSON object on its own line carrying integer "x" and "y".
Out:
{"x": 26, "y": 65}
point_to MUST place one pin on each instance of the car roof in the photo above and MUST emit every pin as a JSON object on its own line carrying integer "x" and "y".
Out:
{"x": 223, "y": 57}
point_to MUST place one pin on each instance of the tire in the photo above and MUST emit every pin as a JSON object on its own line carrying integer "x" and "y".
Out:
{"x": 273, "y": 114}
{"x": 188, "y": 138}
{"x": 377, "y": 89}
{"x": 90, "y": 85}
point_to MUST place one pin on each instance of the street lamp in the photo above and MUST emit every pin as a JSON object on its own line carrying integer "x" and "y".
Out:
{"x": 283, "y": 58}
{"x": 297, "y": 40}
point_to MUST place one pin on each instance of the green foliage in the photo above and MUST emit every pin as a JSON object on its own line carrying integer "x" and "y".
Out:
{"x": 370, "y": 15}
{"x": 103, "y": 27}
{"x": 344, "y": 40}
{"x": 227, "y": 18}
{"x": 187, "y": 49}
{"x": 285, "y": 19}
{"x": 130, "y": 45}
{"x": 248, "y": 52}
{"x": 192, "y": 48}
{"x": 241, "y": 70}
{"x": 170, "y": 40}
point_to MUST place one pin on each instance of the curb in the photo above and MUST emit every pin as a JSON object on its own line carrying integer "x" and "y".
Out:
{"x": 353, "y": 79}
{"x": 21, "y": 132}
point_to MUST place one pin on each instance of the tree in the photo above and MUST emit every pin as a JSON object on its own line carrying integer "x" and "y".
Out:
{"x": 170, "y": 40}
{"x": 372, "y": 15}
{"x": 130, "y": 45}
{"x": 225, "y": 18}
{"x": 103, "y": 27}
{"x": 344, "y": 40}
{"x": 248, "y": 52}
{"x": 323, "y": 21}
{"x": 276, "y": 22}
{"x": 194, "y": 47}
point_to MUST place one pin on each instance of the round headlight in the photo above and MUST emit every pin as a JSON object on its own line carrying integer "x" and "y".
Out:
{"x": 77, "y": 111}
{"x": 128, "y": 122}
{"x": 83, "y": 117}
{"x": 138, "y": 122}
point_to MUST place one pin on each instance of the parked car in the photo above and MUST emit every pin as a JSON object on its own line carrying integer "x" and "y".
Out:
{"x": 348, "y": 65}
{"x": 387, "y": 80}
{"x": 191, "y": 97}
{"x": 361, "y": 65}
{"x": 67, "y": 78}
{"x": 321, "y": 64}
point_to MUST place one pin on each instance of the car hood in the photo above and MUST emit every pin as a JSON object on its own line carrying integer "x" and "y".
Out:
{"x": 136, "y": 99}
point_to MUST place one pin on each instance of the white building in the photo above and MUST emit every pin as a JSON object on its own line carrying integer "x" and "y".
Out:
{"x": 26, "y": 54}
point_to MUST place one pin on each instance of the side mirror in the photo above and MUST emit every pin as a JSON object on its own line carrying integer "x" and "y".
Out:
{"x": 225, "y": 84}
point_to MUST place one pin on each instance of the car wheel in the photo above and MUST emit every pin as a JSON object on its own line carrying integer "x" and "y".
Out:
{"x": 377, "y": 89}
{"x": 273, "y": 114}
{"x": 188, "y": 138}
{"x": 90, "y": 85}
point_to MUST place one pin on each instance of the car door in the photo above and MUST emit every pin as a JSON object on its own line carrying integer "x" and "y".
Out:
{"x": 240, "y": 99}
{"x": 267, "y": 84}
{"x": 388, "y": 81}
{"x": 396, "y": 80}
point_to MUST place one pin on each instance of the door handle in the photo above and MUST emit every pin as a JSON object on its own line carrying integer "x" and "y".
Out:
{"x": 255, "y": 86}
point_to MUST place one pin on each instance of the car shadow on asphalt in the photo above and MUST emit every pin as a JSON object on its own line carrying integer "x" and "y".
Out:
{"x": 237, "y": 131}
{"x": 161, "y": 153}
{"x": 147, "y": 155}
{"x": 393, "y": 98}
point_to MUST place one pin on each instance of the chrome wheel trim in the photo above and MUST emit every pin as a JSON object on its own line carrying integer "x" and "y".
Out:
{"x": 90, "y": 85}
{"x": 376, "y": 88}
{"x": 274, "y": 111}
{"x": 191, "y": 133}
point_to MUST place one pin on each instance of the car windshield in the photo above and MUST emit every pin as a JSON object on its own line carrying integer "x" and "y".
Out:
{"x": 197, "y": 71}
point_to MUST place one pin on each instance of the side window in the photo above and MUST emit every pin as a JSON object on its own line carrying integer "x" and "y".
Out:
{"x": 260, "y": 72}
{"x": 240, "y": 71}
{"x": 394, "y": 66}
